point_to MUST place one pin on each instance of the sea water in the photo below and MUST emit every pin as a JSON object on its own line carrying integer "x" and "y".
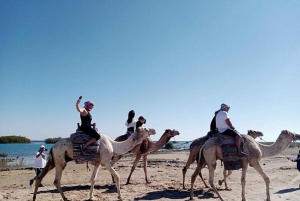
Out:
{"x": 26, "y": 152}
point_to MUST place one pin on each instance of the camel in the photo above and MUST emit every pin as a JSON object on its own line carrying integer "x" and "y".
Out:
{"x": 194, "y": 150}
{"x": 211, "y": 151}
{"x": 143, "y": 149}
{"x": 62, "y": 152}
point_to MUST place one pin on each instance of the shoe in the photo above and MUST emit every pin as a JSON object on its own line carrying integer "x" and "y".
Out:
{"x": 30, "y": 182}
{"x": 41, "y": 185}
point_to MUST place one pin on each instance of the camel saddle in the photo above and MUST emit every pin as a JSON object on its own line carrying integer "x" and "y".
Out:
{"x": 231, "y": 160}
{"x": 91, "y": 152}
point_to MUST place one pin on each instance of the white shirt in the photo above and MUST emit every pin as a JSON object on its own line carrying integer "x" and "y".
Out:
{"x": 132, "y": 124}
{"x": 40, "y": 162}
{"x": 220, "y": 121}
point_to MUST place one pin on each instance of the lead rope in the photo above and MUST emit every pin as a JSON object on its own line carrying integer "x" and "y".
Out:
{"x": 281, "y": 153}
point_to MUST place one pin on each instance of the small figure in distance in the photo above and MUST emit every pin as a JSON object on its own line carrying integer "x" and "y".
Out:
{"x": 39, "y": 163}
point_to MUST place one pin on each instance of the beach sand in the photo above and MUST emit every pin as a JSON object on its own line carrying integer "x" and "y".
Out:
{"x": 165, "y": 173}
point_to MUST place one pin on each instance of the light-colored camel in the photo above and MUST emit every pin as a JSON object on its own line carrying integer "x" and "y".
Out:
{"x": 145, "y": 148}
{"x": 194, "y": 150}
{"x": 211, "y": 151}
{"x": 62, "y": 152}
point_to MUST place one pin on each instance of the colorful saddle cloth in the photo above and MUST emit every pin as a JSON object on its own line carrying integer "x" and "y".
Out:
{"x": 231, "y": 160}
{"x": 91, "y": 152}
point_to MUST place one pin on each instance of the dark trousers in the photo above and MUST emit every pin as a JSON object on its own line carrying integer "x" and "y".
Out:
{"x": 230, "y": 132}
{"x": 38, "y": 171}
{"x": 90, "y": 131}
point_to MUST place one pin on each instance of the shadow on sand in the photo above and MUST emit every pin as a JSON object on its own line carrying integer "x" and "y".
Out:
{"x": 289, "y": 190}
{"x": 153, "y": 195}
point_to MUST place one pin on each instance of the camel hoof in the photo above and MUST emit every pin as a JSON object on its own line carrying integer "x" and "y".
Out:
{"x": 220, "y": 182}
{"x": 120, "y": 198}
{"x": 128, "y": 183}
{"x": 191, "y": 198}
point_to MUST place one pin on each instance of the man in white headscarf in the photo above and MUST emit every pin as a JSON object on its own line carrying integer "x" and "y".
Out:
{"x": 225, "y": 127}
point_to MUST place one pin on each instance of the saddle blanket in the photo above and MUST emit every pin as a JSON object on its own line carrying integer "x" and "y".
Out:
{"x": 231, "y": 160}
{"x": 91, "y": 152}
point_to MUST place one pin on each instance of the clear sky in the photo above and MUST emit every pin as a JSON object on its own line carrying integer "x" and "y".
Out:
{"x": 174, "y": 62}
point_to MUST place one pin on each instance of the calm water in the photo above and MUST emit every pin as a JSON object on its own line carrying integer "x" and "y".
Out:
{"x": 26, "y": 152}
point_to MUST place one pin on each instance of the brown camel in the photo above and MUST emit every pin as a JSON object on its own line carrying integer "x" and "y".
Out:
{"x": 211, "y": 151}
{"x": 143, "y": 149}
{"x": 194, "y": 150}
{"x": 62, "y": 152}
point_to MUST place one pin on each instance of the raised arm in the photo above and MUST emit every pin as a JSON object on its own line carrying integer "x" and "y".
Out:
{"x": 82, "y": 111}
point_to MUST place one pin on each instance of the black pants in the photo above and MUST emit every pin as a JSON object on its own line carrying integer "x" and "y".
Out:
{"x": 90, "y": 131}
{"x": 38, "y": 171}
{"x": 230, "y": 132}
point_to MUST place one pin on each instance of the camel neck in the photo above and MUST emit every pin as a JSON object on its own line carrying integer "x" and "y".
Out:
{"x": 281, "y": 144}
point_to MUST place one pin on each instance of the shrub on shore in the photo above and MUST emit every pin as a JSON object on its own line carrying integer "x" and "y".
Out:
{"x": 14, "y": 139}
{"x": 52, "y": 140}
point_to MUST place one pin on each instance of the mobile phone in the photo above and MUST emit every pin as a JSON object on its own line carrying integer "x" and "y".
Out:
{"x": 80, "y": 97}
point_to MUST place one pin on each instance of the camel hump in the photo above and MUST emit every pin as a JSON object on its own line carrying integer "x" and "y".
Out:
{"x": 231, "y": 160}
{"x": 91, "y": 152}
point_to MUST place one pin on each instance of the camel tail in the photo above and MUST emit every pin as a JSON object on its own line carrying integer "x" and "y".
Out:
{"x": 200, "y": 156}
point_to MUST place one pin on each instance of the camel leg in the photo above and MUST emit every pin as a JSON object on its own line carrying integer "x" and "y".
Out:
{"x": 193, "y": 178}
{"x": 114, "y": 160}
{"x": 190, "y": 160}
{"x": 94, "y": 175}
{"x": 138, "y": 157}
{"x": 258, "y": 168}
{"x": 243, "y": 181}
{"x": 211, "y": 169}
{"x": 116, "y": 177}
{"x": 202, "y": 164}
{"x": 226, "y": 174}
{"x": 58, "y": 175}
{"x": 145, "y": 168}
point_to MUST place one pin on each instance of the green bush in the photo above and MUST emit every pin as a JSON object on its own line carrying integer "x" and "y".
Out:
{"x": 52, "y": 140}
{"x": 14, "y": 139}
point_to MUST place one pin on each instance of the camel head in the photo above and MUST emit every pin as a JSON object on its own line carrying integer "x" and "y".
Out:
{"x": 255, "y": 134}
{"x": 171, "y": 133}
{"x": 143, "y": 133}
{"x": 289, "y": 134}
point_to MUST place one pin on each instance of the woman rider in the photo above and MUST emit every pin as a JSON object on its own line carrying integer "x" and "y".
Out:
{"x": 86, "y": 123}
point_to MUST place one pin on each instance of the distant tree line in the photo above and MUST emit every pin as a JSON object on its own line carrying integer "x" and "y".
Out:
{"x": 14, "y": 139}
{"x": 52, "y": 140}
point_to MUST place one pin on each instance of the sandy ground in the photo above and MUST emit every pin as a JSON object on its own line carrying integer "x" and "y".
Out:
{"x": 165, "y": 173}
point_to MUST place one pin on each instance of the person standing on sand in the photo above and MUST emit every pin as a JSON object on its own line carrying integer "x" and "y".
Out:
{"x": 225, "y": 127}
{"x": 39, "y": 164}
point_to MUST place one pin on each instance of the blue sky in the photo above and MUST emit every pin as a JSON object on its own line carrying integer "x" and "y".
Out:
{"x": 174, "y": 62}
